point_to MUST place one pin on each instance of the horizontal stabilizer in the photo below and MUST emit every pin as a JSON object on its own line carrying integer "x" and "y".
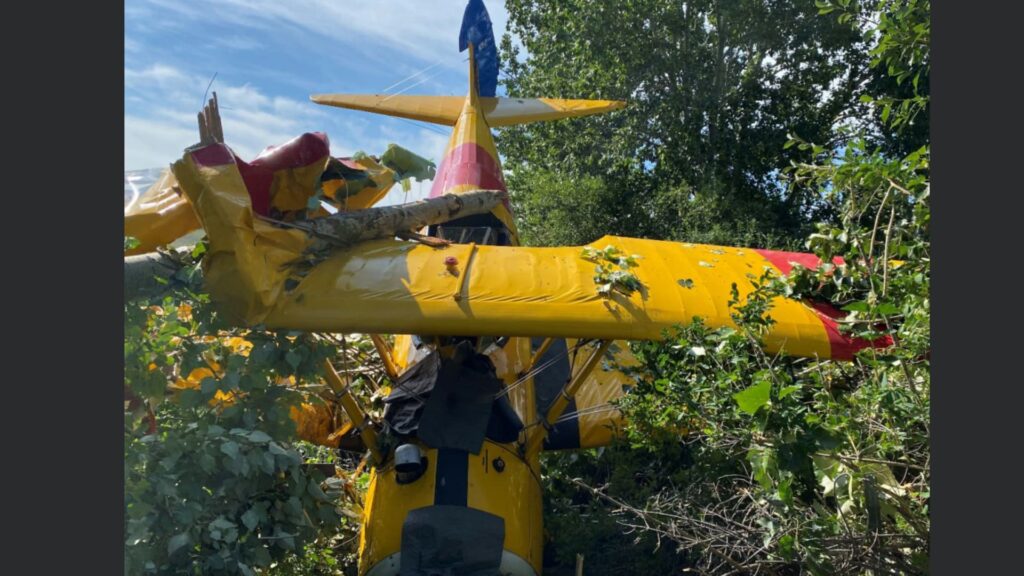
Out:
{"x": 446, "y": 109}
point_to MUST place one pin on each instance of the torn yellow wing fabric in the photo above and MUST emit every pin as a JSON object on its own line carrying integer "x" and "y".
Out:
{"x": 159, "y": 216}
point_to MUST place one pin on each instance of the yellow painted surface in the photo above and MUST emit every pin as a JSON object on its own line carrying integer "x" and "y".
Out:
{"x": 383, "y": 180}
{"x": 445, "y": 110}
{"x": 159, "y": 216}
{"x": 386, "y": 505}
{"x": 399, "y": 287}
{"x": 513, "y": 494}
{"x": 245, "y": 266}
{"x": 510, "y": 111}
{"x": 292, "y": 188}
{"x": 599, "y": 420}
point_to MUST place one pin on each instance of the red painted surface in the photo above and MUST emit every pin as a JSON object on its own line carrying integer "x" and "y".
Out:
{"x": 299, "y": 151}
{"x": 784, "y": 260}
{"x": 213, "y": 155}
{"x": 842, "y": 347}
{"x": 258, "y": 175}
{"x": 468, "y": 164}
{"x": 257, "y": 182}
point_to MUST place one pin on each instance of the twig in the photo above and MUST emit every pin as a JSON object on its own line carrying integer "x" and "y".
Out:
{"x": 885, "y": 254}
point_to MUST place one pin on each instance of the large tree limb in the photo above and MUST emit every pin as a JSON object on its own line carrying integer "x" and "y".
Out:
{"x": 147, "y": 275}
{"x": 348, "y": 228}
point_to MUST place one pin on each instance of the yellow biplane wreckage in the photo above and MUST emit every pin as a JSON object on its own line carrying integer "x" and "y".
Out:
{"x": 498, "y": 346}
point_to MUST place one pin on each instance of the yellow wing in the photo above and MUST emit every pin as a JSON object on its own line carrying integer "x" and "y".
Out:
{"x": 393, "y": 287}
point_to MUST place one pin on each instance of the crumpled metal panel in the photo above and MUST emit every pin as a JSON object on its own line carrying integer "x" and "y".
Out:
{"x": 245, "y": 266}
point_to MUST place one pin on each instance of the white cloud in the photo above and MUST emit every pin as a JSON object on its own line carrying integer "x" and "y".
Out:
{"x": 425, "y": 30}
{"x": 152, "y": 143}
{"x": 167, "y": 100}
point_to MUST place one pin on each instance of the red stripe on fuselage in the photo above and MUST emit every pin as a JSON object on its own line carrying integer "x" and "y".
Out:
{"x": 468, "y": 164}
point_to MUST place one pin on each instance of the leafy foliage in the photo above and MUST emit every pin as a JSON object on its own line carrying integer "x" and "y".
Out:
{"x": 713, "y": 90}
{"x": 613, "y": 270}
{"x": 213, "y": 482}
{"x": 745, "y": 462}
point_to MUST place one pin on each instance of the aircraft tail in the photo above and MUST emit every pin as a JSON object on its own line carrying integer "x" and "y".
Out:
{"x": 476, "y": 32}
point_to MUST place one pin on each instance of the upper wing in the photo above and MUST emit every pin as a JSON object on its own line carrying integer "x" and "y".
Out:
{"x": 393, "y": 287}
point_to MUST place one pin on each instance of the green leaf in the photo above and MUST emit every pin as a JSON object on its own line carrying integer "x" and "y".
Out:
{"x": 753, "y": 398}
{"x": 316, "y": 492}
{"x": 230, "y": 448}
{"x": 859, "y": 306}
{"x": 261, "y": 557}
{"x": 887, "y": 309}
{"x": 190, "y": 398}
{"x": 787, "y": 390}
{"x": 176, "y": 543}
{"x": 259, "y": 437}
{"x": 208, "y": 386}
{"x": 207, "y": 463}
{"x": 267, "y": 463}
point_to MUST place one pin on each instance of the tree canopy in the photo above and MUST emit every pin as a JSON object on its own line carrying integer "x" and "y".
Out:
{"x": 715, "y": 89}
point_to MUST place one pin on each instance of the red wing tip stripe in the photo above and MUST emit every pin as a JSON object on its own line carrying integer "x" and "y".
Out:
{"x": 843, "y": 347}
{"x": 784, "y": 261}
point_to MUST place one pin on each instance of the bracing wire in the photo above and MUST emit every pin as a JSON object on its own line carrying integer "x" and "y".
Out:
{"x": 592, "y": 410}
{"x": 413, "y": 75}
{"x": 534, "y": 371}
{"x": 417, "y": 124}
{"x": 411, "y": 86}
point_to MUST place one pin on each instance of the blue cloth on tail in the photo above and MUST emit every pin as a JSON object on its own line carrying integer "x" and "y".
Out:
{"x": 476, "y": 28}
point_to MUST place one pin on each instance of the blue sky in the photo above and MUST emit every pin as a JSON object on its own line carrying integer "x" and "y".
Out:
{"x": 269, "y": 56}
